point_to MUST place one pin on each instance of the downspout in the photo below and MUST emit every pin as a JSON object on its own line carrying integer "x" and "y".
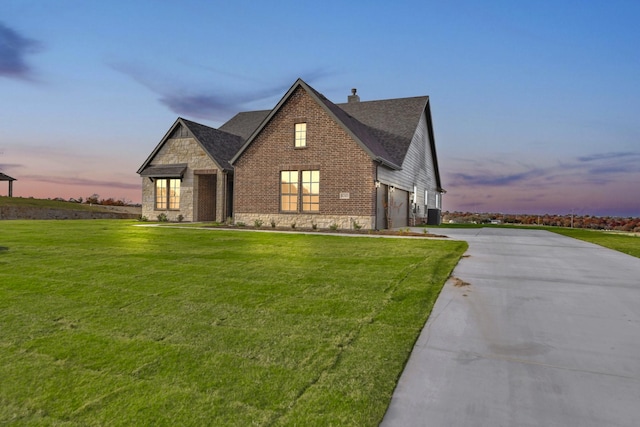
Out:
{"x": 375, "y": 200}
{"x": 225, "y": 190}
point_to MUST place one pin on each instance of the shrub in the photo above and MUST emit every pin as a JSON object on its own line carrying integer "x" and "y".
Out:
{"x": 180, "y": 218}
{"x": 162, "y": 217}
{"x": 314, "y": 225}
{"x": 293, "y": 225}
{"x": 143, "y": 218}
{"x": 356, "y": 226}
{"x": 334, "y": 226}
{"x": 240, "y": 224}
{"x": 273, "y": 223}
{"x": 257, "y": 223}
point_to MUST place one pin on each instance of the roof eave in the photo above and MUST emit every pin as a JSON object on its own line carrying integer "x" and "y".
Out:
{"x": 346, "y": 128}
{"x": 434, "y": 156}
{"x": 387, "y": 163}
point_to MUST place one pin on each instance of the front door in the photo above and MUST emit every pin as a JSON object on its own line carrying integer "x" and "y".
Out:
{"x": 207, "y": 197}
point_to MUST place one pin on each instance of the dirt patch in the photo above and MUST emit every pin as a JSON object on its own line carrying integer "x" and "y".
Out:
{"x": 459, "y": 283}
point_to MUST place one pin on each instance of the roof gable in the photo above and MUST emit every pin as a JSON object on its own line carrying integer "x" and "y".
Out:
{"x": 219, "y": 145}
{"x": 384, "y": 129}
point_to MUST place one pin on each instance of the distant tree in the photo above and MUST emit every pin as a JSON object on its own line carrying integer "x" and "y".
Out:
{"x": 111, "y": 202}
{"x": 93, "y": 199}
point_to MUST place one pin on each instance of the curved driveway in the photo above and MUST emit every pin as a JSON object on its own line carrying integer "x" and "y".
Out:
{"x": 545, "y": 333}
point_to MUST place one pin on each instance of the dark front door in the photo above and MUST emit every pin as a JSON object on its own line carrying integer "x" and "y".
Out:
{"x": 207, "y": 197}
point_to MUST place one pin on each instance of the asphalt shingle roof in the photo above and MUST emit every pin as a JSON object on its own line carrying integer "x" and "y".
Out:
{"x": 220, "y": 145}
{"x": 385, "y": 128}
{"x": 391, "y": 122}
{"x": 244, "y": 124}
{"x": 165, "y": 171}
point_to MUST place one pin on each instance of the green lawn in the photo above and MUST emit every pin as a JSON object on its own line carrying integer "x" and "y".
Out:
{"x": 622, "y": 242}
{"x": 105, "y": 323}
{"x": 629, "y": 244}
{"x": 45, "y": 204}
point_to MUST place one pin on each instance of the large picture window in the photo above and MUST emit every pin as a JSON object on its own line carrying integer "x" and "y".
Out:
{"x": 289, "y": 191}
{"x": 300, "y": 191}
{"x": 310, "y": 191}
{"x": 301, "y": 135}
{"x": 168, "y": 194}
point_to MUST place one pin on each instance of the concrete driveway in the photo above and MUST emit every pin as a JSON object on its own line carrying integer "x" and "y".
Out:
{"x": 545, "y": 333}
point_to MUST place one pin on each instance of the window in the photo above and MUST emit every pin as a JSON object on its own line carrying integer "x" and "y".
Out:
{"x": 301, "y": 135}
{"x": 289, "y": 191}
{"x": 426, "y": 200}
{"x": 438, "y": 200}
{"x": 308, "y": 191}
{"x": 168, "y": 194}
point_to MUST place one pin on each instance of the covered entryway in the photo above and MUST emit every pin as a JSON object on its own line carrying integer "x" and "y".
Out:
{"x": 207, "y": 197}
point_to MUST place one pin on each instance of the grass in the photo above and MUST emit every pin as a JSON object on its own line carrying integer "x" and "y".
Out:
{"x": 622, "y": 242}
{"x": 45, "y": 204}
{"x": 105, "y": 323}
{"x": 628, "y": 244}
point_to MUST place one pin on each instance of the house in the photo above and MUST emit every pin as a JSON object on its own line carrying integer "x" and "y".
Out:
{"x": 308, "y": 162}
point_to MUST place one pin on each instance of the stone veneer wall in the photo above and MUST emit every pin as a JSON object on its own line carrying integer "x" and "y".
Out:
{"x": 307, "y": 221}
{"x": 183, "y": 150}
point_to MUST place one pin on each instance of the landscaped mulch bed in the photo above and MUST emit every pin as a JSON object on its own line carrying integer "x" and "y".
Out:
{"x": 407, "y": 233}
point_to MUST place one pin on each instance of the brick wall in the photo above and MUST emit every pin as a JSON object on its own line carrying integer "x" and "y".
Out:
{"x": 344, "y": 166}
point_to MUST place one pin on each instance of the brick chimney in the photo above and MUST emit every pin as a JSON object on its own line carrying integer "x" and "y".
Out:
{"x": 353, "y": 97}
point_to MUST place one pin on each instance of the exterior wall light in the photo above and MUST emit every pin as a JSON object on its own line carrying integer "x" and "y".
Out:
{"x": 377, "y": 183}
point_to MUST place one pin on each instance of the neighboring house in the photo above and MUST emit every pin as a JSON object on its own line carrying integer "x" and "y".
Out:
{"x": 306, "y": 162}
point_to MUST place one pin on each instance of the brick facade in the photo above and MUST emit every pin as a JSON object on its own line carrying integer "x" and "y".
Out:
{"x": 347, "y": 172}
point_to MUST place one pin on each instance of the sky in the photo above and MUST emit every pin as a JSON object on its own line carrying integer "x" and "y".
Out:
{"x": 535, "y": 105}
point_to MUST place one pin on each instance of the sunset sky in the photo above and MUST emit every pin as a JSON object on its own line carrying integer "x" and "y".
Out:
{"x": 536, "y": 105}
